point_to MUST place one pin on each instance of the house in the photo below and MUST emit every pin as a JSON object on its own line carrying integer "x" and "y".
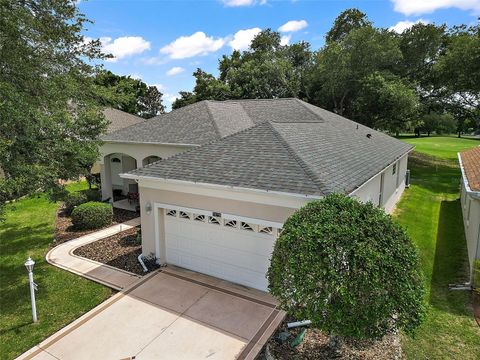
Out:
{"x": 232, "y": 172}
{"x": 470, "y": 200}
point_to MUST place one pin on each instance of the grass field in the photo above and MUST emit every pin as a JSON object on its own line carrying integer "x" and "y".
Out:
{"x": 61, "y": 298}
{"x": 444, "y": 147}
{"x": 430, "y": 210}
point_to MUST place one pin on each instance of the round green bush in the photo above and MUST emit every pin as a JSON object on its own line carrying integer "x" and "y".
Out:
{"x": 92, "y": 215}
{"x": 74, "y": 199}
{"x": 349, "y": 268}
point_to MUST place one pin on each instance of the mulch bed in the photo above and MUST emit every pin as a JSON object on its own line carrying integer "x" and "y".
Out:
{"x": 64, "y": 230}
{"x": 315, "y": 345}
{"x": 120, "y": 250}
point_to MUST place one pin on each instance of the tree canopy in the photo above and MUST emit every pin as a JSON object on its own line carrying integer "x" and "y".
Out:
{"x": 386, "y": 80}
{"x": 128, "y": 94}
{"x": 50, "y": 121}
{"x": 349, "y": 268}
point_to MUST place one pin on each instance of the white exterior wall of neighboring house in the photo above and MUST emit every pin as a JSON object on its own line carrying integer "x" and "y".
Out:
{"x": 387, "y": 191}
{"x": 132, "y": 155}
{"x": 471, "y": 221}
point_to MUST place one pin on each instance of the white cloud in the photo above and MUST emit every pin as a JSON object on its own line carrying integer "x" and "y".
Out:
{"x": 175, "y": 71}
{"x": 238, "y": 3}
{"x": 285, "y": 40}
{"x": 124, "y": 46}
{"x": 243, "y": 38}
{"x": 136, "y": 76}
{"x": 154, "y": 60}
{"x": 401, "y": 26}
{"x": 293, "y": 25}
{"x": 417, "y": 7}
{"x": 195, "y": 44}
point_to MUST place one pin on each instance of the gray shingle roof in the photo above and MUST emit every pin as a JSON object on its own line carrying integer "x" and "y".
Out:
{"x": 205, "y": 121}
{"x": 314, "y": 153}
{"x": 120, "y": 119}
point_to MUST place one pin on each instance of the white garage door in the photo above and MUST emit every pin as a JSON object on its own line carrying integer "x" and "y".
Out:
{"x": 227, "y": 248}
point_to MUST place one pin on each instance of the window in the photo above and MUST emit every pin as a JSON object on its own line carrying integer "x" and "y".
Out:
{"x": 231, "y": 223}
{"x": 116, "y": 160}
{"x": 266, "y": 230}
{"x": 197, "y": 217}
{"x": 394, "y": 169}
{"x": 214, "y": 220}
{"x": 172, "y": 213}
{"x": 246, "y": 226}
{"x": 279, "y": 231}
{"x": 184, "y": 215}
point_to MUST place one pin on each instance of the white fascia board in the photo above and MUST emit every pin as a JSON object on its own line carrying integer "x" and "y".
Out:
{"x": 470, "y": 192}
{"x": 274, "y": 198}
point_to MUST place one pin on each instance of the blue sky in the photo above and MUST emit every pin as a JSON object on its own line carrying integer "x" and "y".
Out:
{"x": 163, "y": 42}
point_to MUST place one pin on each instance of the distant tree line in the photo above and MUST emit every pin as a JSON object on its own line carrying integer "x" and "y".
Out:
{"x": 426, "y": 79}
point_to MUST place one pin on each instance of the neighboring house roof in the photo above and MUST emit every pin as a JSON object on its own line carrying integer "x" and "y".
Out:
{"x": 291, "y": 147}
{"x": 471, "y": 167}
{"x": 120, "y": 119}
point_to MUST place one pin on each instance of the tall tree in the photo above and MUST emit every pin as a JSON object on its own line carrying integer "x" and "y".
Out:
{"x": 128, "y": 94}
{"x": 347, "y": 21}
{"x": 383, "y": 103}
{"x": 49, "y": 121}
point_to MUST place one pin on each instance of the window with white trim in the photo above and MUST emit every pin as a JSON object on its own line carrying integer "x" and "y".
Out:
{"x": 198, "y": 217}
{"x": 231, "y": 223}
{"x": 172, "y": 213}
{"x": 214, "y": 220}
{"x": 183, "y": 215}
{"x": 247, "y": 226}
{"x": 266, "y": 230}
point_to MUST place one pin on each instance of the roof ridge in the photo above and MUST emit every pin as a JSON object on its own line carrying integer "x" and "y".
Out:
{"x": 316, "y": 180}
{"x": 302, "y": 103}
{"x": 212, "y": 119}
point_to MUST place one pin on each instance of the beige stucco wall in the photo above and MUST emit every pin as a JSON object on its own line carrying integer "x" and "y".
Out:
{"x": 250, "y": 209}
{"x": 370, "y": 191}
{"x": 471, "y": 222}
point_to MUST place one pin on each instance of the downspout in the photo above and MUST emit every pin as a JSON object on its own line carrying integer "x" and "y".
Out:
{"x": 140, "y": 260}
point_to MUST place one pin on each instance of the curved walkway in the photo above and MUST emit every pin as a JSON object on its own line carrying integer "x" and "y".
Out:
{"x": 63, "y": 257}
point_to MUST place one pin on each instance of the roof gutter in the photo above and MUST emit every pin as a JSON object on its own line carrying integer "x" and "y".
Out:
{"x": 147, "y": 142}
{"x": 474, "y": 194}
{"x": 217, "y": 186}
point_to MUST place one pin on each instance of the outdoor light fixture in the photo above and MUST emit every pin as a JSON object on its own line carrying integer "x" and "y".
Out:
{"x": 29, "y": 264}
{"x": 148, "y": 207}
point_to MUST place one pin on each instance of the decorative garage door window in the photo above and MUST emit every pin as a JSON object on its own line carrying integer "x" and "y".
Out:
{"x": 219, "y": 221}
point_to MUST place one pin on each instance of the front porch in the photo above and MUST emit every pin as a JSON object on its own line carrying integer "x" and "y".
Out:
{"x": 126, "y": 204}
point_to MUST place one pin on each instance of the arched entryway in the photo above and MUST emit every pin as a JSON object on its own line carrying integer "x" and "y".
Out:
{"x": 123, "y": 193}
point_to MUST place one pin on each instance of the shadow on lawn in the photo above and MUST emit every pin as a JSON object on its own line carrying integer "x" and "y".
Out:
{"x": 450, "y": 262}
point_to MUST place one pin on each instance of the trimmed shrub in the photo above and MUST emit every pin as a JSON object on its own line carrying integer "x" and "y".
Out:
{"x": 92, "y": 215}
{"x": 349, "y": 268}
{"x": 74, "y": 199}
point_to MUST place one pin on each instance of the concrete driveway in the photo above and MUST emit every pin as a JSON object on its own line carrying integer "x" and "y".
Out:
{"x": 172, "y": 314}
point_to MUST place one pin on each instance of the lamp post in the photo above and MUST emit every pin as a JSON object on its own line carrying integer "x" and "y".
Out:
{"x": 29, "y": 265}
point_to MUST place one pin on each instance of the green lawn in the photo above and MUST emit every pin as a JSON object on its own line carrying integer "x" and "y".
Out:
{"x": 445, "y": 147}
{"x": 61, "y": 298}
{"x": 430, "y": 210}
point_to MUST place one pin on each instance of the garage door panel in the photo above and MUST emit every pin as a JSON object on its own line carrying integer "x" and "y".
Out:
{"x": 236, "y": 255}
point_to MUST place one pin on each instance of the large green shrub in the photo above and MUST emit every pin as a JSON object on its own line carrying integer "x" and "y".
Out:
{"x": 349, "y": 268}
{"x": 74, "y": 199}
{"x": 92, "y": 215}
